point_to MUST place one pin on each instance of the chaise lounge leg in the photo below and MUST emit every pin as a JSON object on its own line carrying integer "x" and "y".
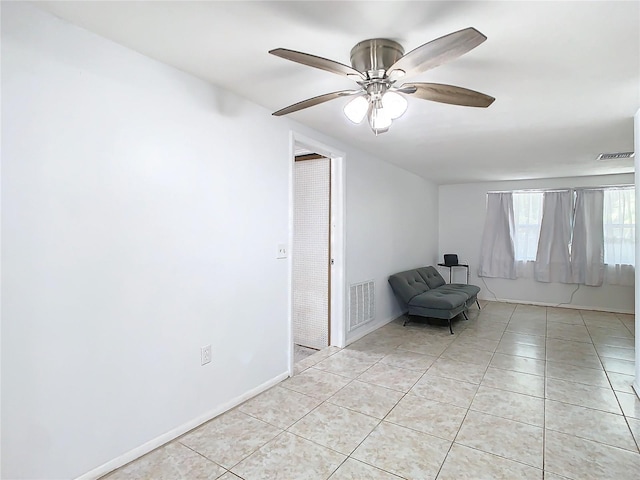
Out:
{"x": 465, "y": 315}
{"x": 478, "y": 304}
{"x": 450, "y": 329}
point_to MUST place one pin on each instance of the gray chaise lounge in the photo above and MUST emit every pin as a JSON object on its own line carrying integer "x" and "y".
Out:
{"x": 426, "y": 294}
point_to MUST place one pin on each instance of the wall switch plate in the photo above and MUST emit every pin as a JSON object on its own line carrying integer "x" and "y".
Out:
{"x": 282, "y": 251}
{"x": 205, "y": 355}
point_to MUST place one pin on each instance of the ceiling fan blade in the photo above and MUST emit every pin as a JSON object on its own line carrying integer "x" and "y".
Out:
{"x": 311, "y": 102}
{"x": 318, "y": 62}
{"x": 437, "y": 92}
{"x": 438, "y": 51}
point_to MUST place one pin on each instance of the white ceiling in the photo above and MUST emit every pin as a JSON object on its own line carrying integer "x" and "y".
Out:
{"x": 566, "y": 75}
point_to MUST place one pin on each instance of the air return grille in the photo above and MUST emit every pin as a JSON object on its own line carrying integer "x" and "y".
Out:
{"x": 361, "y": 304}
{"x": 615, "y": 156}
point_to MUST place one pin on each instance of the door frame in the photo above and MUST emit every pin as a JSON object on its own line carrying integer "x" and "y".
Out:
{"x": 337, "y": 305}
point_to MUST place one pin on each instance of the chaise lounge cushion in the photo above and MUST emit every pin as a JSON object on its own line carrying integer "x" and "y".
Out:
{"x": 408, "y": 284}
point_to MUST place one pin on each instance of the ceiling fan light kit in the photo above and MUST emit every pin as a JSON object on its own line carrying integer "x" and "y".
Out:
{"x": 378, "y": 63}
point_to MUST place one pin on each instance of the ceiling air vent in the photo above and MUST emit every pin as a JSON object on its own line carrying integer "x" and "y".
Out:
{"x": 615, "y": 156}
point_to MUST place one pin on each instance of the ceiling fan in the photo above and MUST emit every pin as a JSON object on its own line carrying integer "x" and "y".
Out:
{"x": 378, "y": 63}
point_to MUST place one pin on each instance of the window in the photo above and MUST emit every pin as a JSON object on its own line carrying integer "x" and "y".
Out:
{"x": 527, "y": 216}
{"x": 619, "y": 226}
{"x": 588, "y": 235}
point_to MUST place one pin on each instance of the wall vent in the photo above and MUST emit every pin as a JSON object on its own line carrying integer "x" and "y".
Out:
{"x": 615, "y": 156}
{"x": 361, "y": 304}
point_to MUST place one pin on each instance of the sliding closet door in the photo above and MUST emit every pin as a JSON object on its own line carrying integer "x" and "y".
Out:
{"x": 311, "y": 252}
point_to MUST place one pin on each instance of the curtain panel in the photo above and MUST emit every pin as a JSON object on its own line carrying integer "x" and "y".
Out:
{"x": 497, "y": 253}
{"x": 587, "y": 245}
{"x": 553, "y": 261}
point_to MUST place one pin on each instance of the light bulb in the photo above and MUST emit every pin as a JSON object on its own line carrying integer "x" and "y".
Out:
{"x": 379, "y": 118}
{"x": 395, "y": 104}
{"x": 356, "y": 109}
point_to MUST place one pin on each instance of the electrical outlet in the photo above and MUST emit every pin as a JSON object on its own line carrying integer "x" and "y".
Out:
{"x": 205, "y": 355}
{"x": 282, "y": 251}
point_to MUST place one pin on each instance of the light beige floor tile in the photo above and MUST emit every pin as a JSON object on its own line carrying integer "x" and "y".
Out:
{"x": 316, "y": 383}
{"x": 510, "y": 405}
{"x": 462, "y": 353}
{"x": 370, "y": 354}
{"x": 564, "y": 315}
{"x": 527, "y": 328}
{"x": 229, "y": 476}
{"x": 230, "y": 437}
{"x": 574, "y": 353}
{"x": 581, "y": 459}
{"x": 553, "y": 476}
{"x": 289, "y": 457}
{"x": 345, "y": 363}
{"x": 445, "y": 390}
{"x": 355, "y": 470}
{"x": 594, "y": 317}
{"x": 410, "y": 454}
{"x": 499, "y": 309}
{"x": 518, "y": 364}
{"x": 521, "y": 350}
{"x": 595, "y": 425}
{"x": 464, "y": 463}
{"x": 582, "y": 395}
{"x": 618, "y": 366}
{"x": 438, "y": 419}
{"x": 478, "y": 343}
{"x": 409, "y": 360}
{"x": 309, "y": 361}
{"x": 634, "y": 425}
{"x": 613, "y": 341}
{"x": 488, "y": 330}
{"x": 630, "y": 404}
{"x": 279, "y": 406}
{"x": 573, "y": 373}
{"x": 621, "y": 382}
{"x": 576, "y": 333}
{"x": 170, "y": 462}
{"x": 535, "y": 340}
{"x": 561, "y": 345}
{"x": 387, "y": 376}
{"x": 500, "y": 436}
{"x": 367, "y": 398}
{"x": 616, "y": 329}
{"x": 616, "y": 352}
{"x": 335, "y": 427}
{"x": 433, "y": 349}
{"x": 465, "y": 372}
{"x": 514, "y": 381}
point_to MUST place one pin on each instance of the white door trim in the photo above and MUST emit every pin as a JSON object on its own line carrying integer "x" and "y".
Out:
{"x": 338, "y": 244}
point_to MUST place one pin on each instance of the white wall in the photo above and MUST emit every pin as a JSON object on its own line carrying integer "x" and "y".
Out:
{"x": 462, "y": 215}
{"x": 141, "y": 207}
{"x": 636, "y": 131}
{"x": 392, "y": 223}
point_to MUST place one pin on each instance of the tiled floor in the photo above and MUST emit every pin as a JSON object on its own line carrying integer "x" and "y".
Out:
{"x": 300, "y": 352}
{"x": 517, "y": 393}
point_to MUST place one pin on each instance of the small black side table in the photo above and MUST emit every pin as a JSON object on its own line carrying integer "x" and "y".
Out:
{"x": 451, "y": 267}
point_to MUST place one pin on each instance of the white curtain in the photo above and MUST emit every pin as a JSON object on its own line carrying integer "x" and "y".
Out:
{"x": 587, "y": 245}
{"x": 497, "y": 254}
{"x": 527, "y": 212}
{"x": 552, "y": 260}
{"x": 619, "y": 236}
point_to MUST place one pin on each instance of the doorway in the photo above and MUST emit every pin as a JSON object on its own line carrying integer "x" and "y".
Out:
{"x": 317, "y": 253}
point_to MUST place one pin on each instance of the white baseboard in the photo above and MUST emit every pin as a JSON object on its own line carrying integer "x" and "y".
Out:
{"x": 561, "y": 305}
{"x": 367, "y": 329}
{"x": 178, "y": 431}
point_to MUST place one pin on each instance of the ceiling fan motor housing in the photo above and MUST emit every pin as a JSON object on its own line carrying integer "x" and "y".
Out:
{"x": 375, "y": 56}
